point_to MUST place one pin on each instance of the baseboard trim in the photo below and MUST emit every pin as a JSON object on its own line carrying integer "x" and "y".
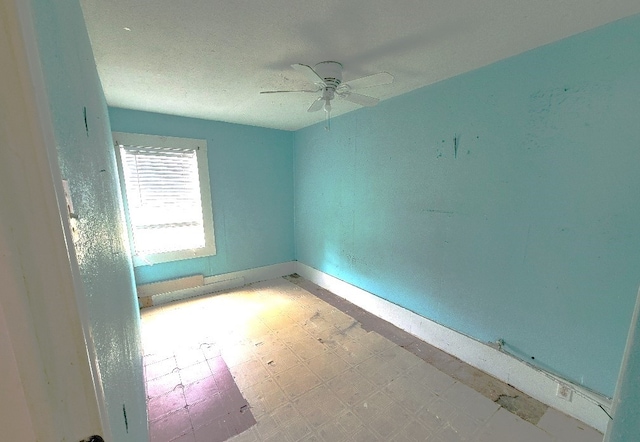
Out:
{"x": 256, "y": 274}
{"x": 226, "y": 281}
{"x": 540, "y": 385}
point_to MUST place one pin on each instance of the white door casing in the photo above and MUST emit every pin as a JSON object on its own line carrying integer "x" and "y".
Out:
{"x": 45, "y": 316}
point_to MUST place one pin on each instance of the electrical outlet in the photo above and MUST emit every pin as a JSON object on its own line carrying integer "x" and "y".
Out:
{"x": 564, "y": 392}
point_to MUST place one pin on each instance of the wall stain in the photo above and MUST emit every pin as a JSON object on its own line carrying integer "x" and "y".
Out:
{"x": 86, "y": 125}
{"x": 126, "y": 422}
{"x": 555, "y": 109}
{"x": 439, "y": 211}
{"x": 456, "y": 143}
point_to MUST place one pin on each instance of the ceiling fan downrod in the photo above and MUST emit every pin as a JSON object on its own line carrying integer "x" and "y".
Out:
{"x": 327, "y": 95}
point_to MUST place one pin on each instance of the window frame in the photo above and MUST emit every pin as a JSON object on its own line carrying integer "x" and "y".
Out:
{"x": 200, "y": 147}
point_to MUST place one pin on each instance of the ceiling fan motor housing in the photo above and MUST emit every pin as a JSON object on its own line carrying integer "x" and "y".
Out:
{"x": 331, "y": 72}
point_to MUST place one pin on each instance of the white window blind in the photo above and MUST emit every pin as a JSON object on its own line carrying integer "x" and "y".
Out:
{"x": 163, "y": 197}
{"x": 167, "y": 195}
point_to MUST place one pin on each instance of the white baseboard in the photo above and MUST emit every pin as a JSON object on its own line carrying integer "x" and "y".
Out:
{"x": 257, "y": 274}
{"x": 227, "y": 281}
{"x": 532, "y": 381}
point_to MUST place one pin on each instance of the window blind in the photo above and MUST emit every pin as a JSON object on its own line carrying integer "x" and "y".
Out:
{"x": 163, "y": 197}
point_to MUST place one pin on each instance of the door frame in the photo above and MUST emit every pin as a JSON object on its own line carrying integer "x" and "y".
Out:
{"x": 43, "y": 300}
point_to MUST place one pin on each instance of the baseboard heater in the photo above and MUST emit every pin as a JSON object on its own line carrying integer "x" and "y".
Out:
{"x": 162, "y": 292}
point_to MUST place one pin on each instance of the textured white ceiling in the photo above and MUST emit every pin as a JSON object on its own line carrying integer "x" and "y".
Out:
{"x": 211, "y": 58}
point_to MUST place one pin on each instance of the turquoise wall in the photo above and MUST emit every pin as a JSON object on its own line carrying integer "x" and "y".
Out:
{"x": 625, "y": 425}
{"x": 529, "y": 232}
{"x": 251, "y": 173}
{"x": 87, "y": 161}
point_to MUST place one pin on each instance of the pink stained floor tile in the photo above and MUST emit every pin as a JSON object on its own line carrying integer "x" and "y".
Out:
{"x": 204, "y": 412}
{"x": 212, "y": 409}
{"x": 162, "y": 405}
{"x": 200, "y": 390}
{"x": 244, "y": 420}
{"x": 170, "y": 426}
{"x": 217, "y": 366}
{"x": 187, "y": 437}
{"x": 163, "y": 384}
{"x": 195, "y": 373}
{"x": 230, "y": 424}
{"x": 215, "y": 431}
{"x": 234, "y": 401}
{"x": 224, "y": 379}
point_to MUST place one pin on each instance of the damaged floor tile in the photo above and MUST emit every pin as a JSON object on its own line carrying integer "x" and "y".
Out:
{"x": 308, "y": 366}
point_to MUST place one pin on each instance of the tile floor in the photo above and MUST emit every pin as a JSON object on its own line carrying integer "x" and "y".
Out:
{"x": 275, "y": 362}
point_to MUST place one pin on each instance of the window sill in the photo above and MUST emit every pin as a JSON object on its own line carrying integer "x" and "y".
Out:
{"x": 158, "y": 258}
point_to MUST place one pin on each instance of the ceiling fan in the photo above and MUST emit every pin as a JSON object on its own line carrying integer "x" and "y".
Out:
{"x": 327, "y": 78}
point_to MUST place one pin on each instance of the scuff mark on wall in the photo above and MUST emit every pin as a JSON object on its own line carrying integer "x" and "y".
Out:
{"x": 126, "y": 422}
{"x": 456, "y": 143}
{"x": 439, "y": 211}
{"x": 86, "y": 125}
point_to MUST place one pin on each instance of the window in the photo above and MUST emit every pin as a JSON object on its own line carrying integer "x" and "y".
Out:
{"x": 165, "y": 183}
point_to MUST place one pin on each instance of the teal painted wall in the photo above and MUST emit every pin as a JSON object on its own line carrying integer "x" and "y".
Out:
{"x": 625, "y": 425}
{"x": 251, "y": 173}
{"x": 528, "y": 233}
{"x": 87, "y": 161}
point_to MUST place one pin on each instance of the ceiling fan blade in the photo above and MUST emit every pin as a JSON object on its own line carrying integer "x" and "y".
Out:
{"x": 309, "y": 72}
{"x": 362, "y": 100}
{"x": 284, "y": 92}
{"x": 316, "y": 105}
{"x": 371, "y": 80}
